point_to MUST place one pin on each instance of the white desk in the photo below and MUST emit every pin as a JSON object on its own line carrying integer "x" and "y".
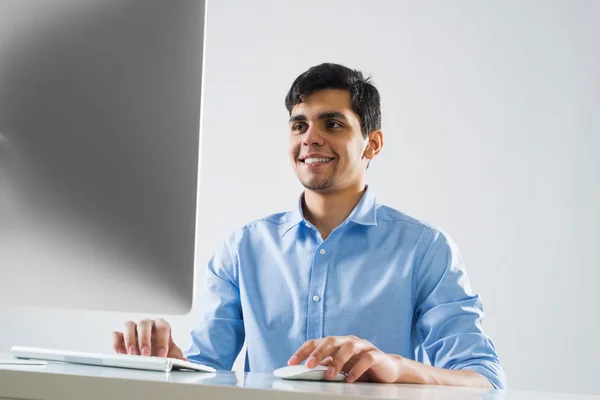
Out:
{"x": 68, "y": 381}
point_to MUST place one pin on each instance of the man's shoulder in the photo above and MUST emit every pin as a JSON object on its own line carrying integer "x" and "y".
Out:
{"x": 430, "y": 233}
{"x": 260, "y": 226}
{"x": 430, "y": 238}
{"x": 269, "y": 221}
{"x": 395, "y": 216}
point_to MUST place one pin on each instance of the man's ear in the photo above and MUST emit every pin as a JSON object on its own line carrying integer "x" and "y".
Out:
{"x": 374, "y": 144}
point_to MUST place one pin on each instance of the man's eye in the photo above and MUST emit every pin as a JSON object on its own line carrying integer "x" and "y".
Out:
{"x": 333, "y": 125}
{"x": 299, "y": 126}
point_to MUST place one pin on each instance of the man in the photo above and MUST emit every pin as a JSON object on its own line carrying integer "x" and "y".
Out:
{"x": 340, "y": 280}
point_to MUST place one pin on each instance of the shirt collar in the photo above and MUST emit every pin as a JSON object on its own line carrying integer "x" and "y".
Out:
{"x": 364, "y": 213}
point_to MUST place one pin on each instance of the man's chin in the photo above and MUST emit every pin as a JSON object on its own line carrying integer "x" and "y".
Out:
{"x": 323, "y": 186}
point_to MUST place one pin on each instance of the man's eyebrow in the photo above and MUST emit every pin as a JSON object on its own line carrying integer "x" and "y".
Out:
{"x": 332, "y": 114}
{"x": 323, "y": 115}
{"x": 297, "y": 117}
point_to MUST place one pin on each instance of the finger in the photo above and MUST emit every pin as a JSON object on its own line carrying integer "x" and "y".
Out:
{"x": 323, "y": 350}
{"x": 304, "y": 351}
{"x": 130, "y": 336}
{"x": 162, "y": 338}
{"x": 144, "y": 332}
{"x": 118, "y": 343}
{"x": 326, "y": 361}
{"x": 365, "y": 361}
{"x": 346, "y": 351}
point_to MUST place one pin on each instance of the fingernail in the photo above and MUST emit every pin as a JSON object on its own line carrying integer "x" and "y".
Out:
{"x": 331, "y": 372}
{"x": 293, "y": 360}
{"x": 145, "y": 351}
{"x": 161, "y": 352}
{"x": 310, "y": 362}
{"x": 132, "y": 349}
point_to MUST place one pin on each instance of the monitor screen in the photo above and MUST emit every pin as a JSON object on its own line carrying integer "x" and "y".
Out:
{"x": 99, "y": 151}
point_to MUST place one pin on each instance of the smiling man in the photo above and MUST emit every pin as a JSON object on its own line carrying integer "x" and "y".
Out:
{"x": 340, "y": 280}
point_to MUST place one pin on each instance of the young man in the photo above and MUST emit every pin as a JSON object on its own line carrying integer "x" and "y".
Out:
{"x": 339, "y": 280}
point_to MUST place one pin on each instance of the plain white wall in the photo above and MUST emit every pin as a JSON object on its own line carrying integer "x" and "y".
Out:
{"x": 490, "y": 111}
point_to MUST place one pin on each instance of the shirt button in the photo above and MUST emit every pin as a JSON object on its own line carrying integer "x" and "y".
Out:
{"x": 322, "y": 251}
{"x": 316, "y": 298}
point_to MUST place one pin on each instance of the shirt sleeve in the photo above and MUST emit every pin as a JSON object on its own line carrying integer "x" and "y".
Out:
{"x": 218, "y": 337}
{"x": 448, "y": 315}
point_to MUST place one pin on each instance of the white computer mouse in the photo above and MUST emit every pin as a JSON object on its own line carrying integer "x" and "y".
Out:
{"x": 303, "y": 373}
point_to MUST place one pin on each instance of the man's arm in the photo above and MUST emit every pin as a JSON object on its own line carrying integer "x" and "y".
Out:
{"x": 416, "y": 372}
{"x": 448, "y": 320}
{"x": 364, "y": 362}
{"x": 219, "y": 335}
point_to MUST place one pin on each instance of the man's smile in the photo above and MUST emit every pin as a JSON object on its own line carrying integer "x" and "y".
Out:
{"x": 313, "y": 160}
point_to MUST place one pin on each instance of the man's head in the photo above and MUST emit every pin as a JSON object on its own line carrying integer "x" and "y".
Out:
{"x": 335, "y": 122}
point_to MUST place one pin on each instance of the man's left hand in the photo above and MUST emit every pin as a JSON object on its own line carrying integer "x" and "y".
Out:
{"x": 360, "y": 359}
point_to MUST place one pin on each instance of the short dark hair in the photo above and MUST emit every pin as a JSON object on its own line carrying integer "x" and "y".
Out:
{"x": 364, "y": 96}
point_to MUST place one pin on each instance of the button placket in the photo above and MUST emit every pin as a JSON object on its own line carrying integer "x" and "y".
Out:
{"x": 316, "y": 289}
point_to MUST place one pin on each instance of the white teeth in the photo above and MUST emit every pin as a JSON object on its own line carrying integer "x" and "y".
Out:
{"x": 316, "y": 160}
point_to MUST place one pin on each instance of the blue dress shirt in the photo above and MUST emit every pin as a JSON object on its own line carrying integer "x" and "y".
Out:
{"x": 381, "y": 275}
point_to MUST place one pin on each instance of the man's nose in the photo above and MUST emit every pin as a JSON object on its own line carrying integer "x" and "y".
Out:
{"x": 313, "y": 136}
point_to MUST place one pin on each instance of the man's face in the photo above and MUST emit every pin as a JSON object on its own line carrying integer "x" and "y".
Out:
{"x": 326, "y": 143}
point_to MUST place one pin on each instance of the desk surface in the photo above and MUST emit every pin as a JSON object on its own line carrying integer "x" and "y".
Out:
{"x": 69, "y": 381}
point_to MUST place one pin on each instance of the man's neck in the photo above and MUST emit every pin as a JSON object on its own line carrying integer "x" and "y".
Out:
{"x": 326, "y": 211}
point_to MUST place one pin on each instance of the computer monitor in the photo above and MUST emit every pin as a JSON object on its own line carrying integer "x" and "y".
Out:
{"x": 99, "y": 153}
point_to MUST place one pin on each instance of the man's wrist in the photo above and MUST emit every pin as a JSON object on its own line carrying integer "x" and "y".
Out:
{"x": 411, "y": 371}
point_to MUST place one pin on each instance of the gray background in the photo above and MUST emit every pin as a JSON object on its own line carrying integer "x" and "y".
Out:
{"x": 490, "y": 111}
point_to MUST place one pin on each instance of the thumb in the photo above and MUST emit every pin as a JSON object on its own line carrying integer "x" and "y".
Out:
{"x": 175, "y": 351}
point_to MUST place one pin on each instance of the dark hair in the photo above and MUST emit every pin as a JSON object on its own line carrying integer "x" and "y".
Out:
{"x": 364, "y": 97}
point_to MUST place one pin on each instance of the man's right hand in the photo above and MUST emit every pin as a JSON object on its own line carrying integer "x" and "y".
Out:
{"x": 148, "y": 338}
